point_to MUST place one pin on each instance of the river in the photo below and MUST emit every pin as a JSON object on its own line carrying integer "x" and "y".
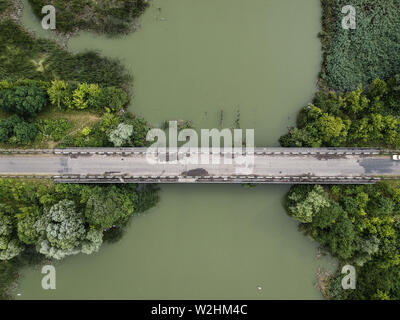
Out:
{"x": 195, "y": 60}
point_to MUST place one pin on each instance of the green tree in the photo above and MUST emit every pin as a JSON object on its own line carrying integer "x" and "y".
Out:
{"x": 109, "y": 206}
{"x": 26, "y": 228}
{"x": 330, "y": 127}
{"x": 9, "y": 246}
{"x": 112, "y": 98}
{"x": 59, "y": 94}
{"x": 24, "y": 100}
{"x": 25, "y": 132}
{"x": 85, "y": 95}
{"x": 305, "y": 207}
{"x": 64, "y": 232}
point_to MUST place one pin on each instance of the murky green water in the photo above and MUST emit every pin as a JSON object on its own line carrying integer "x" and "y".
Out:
{"x": 191, "y": 59}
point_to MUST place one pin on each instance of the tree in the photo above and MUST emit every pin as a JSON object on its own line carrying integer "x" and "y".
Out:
{"x": 113, "y": 98}
{"x": 121, "y": 136}
{"x": 26, "y": 228}
{"x": 7, "y": 127}
{"x": 12, "y": 250}
{"x": 378, "y": 89}
{"x": 355, "y": 101}
{"x": 305, "y": 207}
{"x": 23, "y": 100}
{"x": 109, "y": 206}
{"x": 327, "y": 216}
{"x": 63, "y": 232}
{"x": 86, "y": 96}
{"x": 340, "y": 238}
{"x": 330, "y": 127}
{"x": 59, "y": 94}
{"x": 6, "y": 225}
{"x": 25, "y": 132}
{"x": 9, "y": 247}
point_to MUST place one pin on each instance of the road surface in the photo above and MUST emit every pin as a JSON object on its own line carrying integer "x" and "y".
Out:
{"x": 266, "y": 165}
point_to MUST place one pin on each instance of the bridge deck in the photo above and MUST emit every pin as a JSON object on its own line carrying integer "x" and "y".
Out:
{"x": 266, "y": 165}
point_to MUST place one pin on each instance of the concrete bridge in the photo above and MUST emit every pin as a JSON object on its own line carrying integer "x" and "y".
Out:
{"x": 260, "y": 165}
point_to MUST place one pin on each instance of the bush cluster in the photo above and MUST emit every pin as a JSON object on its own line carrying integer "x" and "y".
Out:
{"x": 356, "y": 118}
{"x": 108, "y": 132}
{"x": 80, "y": 96}
{"x": 15, "y": 130}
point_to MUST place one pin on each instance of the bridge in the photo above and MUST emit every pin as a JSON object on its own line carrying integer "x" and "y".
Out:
{"x": 259, "y": 165}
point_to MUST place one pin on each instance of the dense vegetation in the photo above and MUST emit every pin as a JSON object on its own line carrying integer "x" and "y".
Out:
{"x": 370, "y": 51}
{"x": 22, "y": 125}
{"x": 360, "y": 225}
{"x": 56, "y": 220}
{"x": 50, "y": 97}
{"x": 103, "y": 16}
{"x": 357, "y": 118}
{"x": 24, "y": 57}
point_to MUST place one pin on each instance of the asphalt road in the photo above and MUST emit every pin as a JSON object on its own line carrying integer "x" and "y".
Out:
{"x": 278, "y": 164}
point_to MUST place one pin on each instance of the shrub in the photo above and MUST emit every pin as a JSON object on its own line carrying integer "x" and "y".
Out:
{"x": 55, "y": 129}
{"x": 25, "y": 132}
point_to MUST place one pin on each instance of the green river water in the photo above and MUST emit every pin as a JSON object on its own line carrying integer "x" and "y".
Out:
{"x": 191, "y": 59}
